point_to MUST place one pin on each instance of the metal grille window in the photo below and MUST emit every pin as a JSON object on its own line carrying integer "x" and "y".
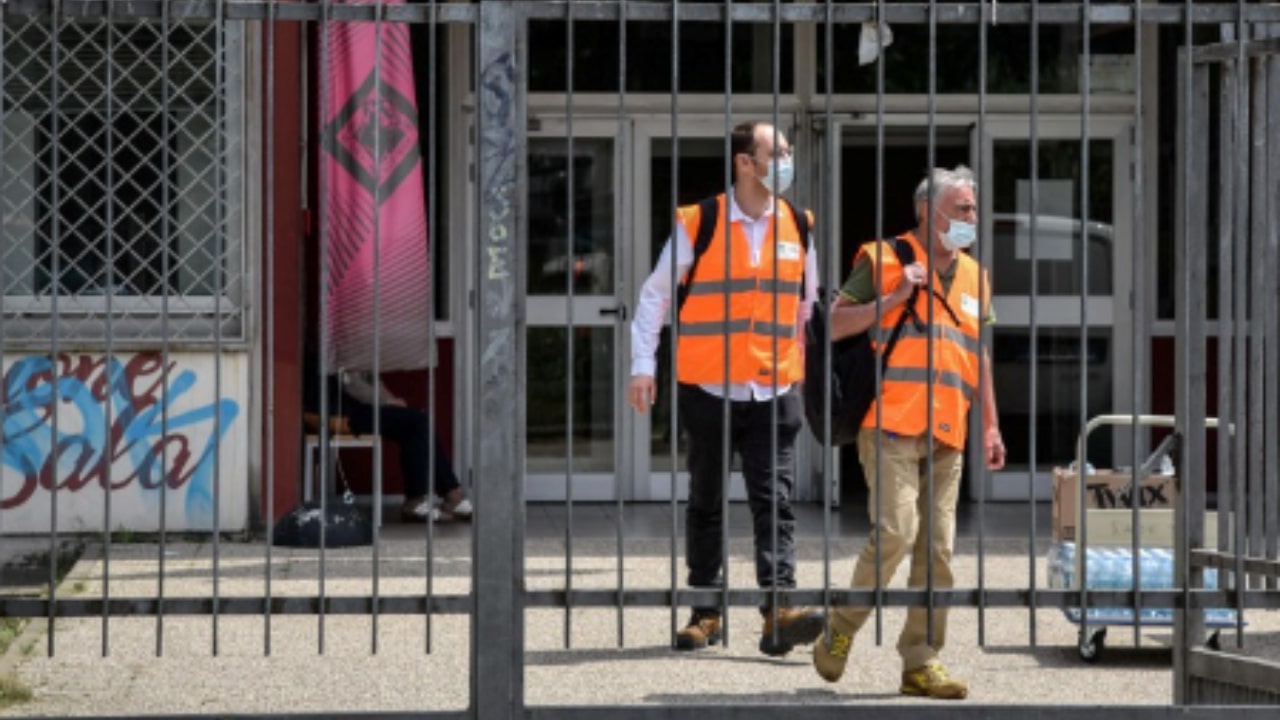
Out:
{"x": 121, "y": 184}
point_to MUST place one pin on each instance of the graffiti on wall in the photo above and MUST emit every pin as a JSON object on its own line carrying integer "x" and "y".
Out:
{"x": 131, "y": 425}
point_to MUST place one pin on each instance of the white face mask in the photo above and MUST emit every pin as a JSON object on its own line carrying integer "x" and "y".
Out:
{"x": 959, "y": 236}
{"x": 782, "y": 171}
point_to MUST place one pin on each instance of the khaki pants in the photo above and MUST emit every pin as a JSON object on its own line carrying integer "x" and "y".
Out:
{"x": 904, "y": 501}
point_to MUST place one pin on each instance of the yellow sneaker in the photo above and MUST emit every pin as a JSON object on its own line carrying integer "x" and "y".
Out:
{"x": 831, "y": 653}
{"x": 933, "y": 681}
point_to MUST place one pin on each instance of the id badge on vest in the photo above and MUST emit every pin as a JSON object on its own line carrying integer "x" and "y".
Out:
{"x": 969, "y": 305}
{"x": 788, "y": 251}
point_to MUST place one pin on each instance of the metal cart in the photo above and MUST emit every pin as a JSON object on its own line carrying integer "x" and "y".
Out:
{"x": 1111, "y": 567}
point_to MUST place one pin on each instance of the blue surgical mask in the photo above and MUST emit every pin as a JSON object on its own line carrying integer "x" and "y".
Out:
{"x": 781, "y": 171}
{"x": 960, "y": 236}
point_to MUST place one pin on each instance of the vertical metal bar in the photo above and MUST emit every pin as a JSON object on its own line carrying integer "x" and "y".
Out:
{"x": 1196, "y": 382}
{"x": 1257, "y": 305}
{"x": 55, "y": 242}
{"x": 675, "y": 310}
{"x": 1239, "y": 164}
{"x": 1182, "y": 238}
{"x": 4, "y": 288}
{"x": 166, "y": 237}
{"x": 218, "y": 249}
{"x": 1033, "y": 394}
{"x": 270, "y": 340}
{"x": 1082, "y": 544}
{"x": 1227, "y": 478}
{"x": 773, "y": 350}
{"x": 108, "y": 365}
{"x": 497, "y": 618}
{"x": 1190, "y": 391}
{"x": 726, "y": 418}
{"x": 879, "y": 283}
{"x": 828, "y": 274}
{"x": 1139, "y": 318}
{"x": 569, "y": 336}
{"x": 326, "y": 43}
{"x": 624, "y": 246}
{"x": 930, "y": 391}
{"x": 433, "y": 238}
{"x": 1271, "y": 292}
{"x": 976, "y": 456}
{"x": 377, "y": 331}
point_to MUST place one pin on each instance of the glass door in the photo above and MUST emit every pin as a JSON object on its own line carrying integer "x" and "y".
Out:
{"x": 582, "y": 255}
{"x": 1072, "y": 258}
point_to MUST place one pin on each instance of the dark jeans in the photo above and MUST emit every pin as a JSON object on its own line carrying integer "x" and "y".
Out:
{"x": 750, "y": 435}
{"x": 410, "y": 429}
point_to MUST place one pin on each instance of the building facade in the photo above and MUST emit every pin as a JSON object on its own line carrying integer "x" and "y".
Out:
{"x": 162, "y": 235}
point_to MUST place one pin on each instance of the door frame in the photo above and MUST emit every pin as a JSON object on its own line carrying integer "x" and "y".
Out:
{"x": 588, "y": 311}
{"x": 1116, "y": 313}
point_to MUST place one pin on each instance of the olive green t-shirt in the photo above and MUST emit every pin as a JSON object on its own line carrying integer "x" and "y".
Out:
{"x": 860, "y": 286}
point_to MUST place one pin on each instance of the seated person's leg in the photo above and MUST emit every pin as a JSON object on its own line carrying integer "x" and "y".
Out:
{"x": 411, "y": 430}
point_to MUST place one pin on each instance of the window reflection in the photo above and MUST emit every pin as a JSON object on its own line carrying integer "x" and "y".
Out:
{"x": 591, "y": 262}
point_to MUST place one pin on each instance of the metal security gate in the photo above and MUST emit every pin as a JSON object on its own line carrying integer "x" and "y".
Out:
{"x": 143, "y": 198}
{"x": 1245, "y": 67}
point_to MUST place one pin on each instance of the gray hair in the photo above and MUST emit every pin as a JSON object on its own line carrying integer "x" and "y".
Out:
{"x": 944, "y": 180}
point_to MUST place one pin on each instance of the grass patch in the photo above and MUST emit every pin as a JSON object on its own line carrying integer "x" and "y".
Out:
{"x": 10, "y": 629}
{"x": 13, "y": 691}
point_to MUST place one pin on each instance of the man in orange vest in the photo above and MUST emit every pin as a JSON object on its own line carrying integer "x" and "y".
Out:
{"x": 743, "y": 297}
{"x": 897, "y": 427}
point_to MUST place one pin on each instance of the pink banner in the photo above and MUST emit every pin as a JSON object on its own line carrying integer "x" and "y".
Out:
{"x": 374, "y": 197}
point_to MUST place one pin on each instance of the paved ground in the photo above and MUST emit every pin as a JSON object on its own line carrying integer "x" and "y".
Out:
{"x": 597, "y": 668}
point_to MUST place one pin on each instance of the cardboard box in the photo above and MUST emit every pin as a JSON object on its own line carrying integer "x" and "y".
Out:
{"x": 1106, "y": 490}
{"x": 1115, "y": 528}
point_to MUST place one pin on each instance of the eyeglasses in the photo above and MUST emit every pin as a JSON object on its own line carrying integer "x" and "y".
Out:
{"x": 786, "y": 154}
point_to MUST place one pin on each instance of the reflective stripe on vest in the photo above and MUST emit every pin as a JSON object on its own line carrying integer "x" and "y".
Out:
{"x": 763, "y": 305}
{"x": 908, "y": 384}
{"x": 940, "y": 331}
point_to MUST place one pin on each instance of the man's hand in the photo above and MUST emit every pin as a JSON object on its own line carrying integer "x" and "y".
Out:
{"x": 641, "y": 393}
{"x": 994, "y": 446}
{"x": 913, "y": 276}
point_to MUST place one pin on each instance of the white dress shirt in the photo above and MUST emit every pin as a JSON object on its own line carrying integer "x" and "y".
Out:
{"x": 655, "y": 299}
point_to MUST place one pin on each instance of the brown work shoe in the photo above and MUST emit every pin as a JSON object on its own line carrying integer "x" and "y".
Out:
{"x": 795, "y": 626}
{"x": 933, "y": 681}
{"x": 703, "y": 630}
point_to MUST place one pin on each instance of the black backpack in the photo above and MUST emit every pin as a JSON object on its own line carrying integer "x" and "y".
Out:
{"x": 848, "y": 385}
{"x": 710, "y": 207}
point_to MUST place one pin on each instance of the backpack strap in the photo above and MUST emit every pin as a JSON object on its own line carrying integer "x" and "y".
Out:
{"x": 802, "y": 227}
{"x": 906, "y": 255}
{"x": 707, "y": 207}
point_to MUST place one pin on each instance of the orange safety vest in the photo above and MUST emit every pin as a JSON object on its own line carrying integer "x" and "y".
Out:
{"x": 904, "y": 396}
{"x": 762, "y": 308}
